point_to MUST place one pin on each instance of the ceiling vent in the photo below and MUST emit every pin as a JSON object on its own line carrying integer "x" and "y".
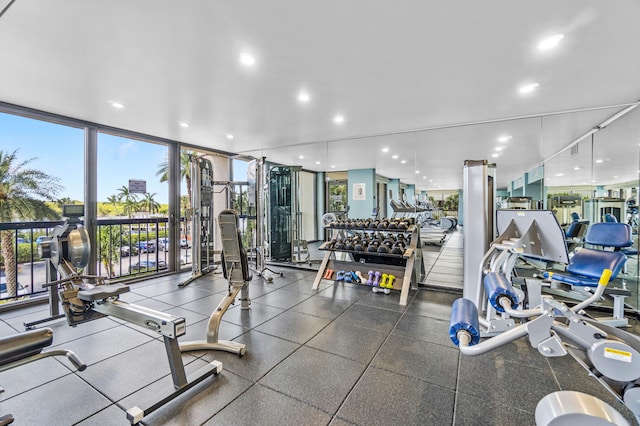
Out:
{"x": 574, "y": 150}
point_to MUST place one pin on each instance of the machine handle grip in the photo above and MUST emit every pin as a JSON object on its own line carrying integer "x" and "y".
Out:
{"x": 605, "y": 277}
{"x": 77, "y": 362}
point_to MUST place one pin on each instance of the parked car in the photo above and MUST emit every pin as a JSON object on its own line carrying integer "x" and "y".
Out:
{"x": 40, "y": 239}
{"x": 22, "y": 291}
{"x": 145, "y": 265}
{"x": 146, "y": 246}
{"x": 21, "y": 240}
{"x": 163, "y": 243}
{"x": 128, "y": 251}
{"x": 185, "y": 259}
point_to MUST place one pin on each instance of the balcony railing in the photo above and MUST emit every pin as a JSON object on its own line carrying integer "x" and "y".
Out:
{"x": 125, "y": 248}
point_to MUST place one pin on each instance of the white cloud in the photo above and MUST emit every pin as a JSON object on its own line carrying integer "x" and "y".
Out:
{"x": 126, "y": 148}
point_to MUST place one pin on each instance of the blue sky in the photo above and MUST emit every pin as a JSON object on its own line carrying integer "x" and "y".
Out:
{"x": 59, "y": 151}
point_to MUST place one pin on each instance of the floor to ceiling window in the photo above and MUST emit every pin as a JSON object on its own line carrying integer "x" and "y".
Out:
{"x": 52, "y": 155}
{"x": 133, "y": 194}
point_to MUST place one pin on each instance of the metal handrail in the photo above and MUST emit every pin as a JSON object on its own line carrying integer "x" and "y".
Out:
{"x": 124, "y": 266}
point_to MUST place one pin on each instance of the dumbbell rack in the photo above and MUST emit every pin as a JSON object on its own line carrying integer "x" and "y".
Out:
{"x": 406, "y": 267}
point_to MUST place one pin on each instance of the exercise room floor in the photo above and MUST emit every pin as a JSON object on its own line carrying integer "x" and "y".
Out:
{"x": 340, "y": 355}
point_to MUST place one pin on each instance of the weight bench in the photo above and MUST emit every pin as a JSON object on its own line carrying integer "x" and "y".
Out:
{"x": 586, "y": 265}
{"x": 235, "y": 268}
{"x": 23, "y": 348}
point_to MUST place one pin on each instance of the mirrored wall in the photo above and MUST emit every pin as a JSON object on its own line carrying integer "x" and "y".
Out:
{"x": 564, "y": 162}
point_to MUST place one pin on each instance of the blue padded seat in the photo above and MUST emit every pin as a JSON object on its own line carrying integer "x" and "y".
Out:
{"x": 587, "y": 265}
{"x": 609, "y": 234}
{"x": 609, "y": 218}
{"x": 576, "y": 226}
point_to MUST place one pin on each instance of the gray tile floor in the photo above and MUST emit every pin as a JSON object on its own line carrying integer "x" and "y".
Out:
{"x": 340, "y": 355}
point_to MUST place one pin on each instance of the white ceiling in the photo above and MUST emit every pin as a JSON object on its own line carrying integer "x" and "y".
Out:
{"x": 389, "y": 67}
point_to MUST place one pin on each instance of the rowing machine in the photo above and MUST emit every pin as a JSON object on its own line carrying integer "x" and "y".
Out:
{"x": 86, "y": 298}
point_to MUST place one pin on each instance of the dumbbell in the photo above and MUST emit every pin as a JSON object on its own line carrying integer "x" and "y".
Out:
{"x": 382, "y": 283}
{"x": 370, "y": 278}
{"x": 390, "y": 279}
{"x": 376, "y": 278}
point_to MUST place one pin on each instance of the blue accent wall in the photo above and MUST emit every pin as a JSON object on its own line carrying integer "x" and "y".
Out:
{"x": 410, "y": 192}
{"x": 362, "y": 208}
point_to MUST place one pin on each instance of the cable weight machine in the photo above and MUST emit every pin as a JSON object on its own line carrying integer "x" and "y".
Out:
{"x": 285, "y": 219}
{"x": 259, "y": 185}
{"x": 202, "y": 220}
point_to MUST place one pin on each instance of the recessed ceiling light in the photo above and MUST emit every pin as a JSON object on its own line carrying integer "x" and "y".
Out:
{"x": 559, "y": 174}
{"x": 615, "y": 177}
{"x": 387, "y": 149}
{"x": 504, "y": 138}
{"x": 499, "y": 148}
{"x": 550, "y": 42}
{"x": 301, "y": 157}
{"x": 495, "y": 155}
{"x": 528, "y": 88}
{"x": 394, "y": 156}
{"x": 430, "y": 180}
{"x": 317, "y": 162}
{"x": 247, "y": 59}
{"x": 403, "y": 162}
{"x": 229, "y": 136}
{"x": 116, "y": 104}
{"x": 333, "y": 167}
{"x": 417, "y": 172}
{"x": 424, "y": 177}
{"x": 576, "y": 168}
{"x": 593, "y": 181}
{"x": 183, "y": 124}
{"x": 304, "y": 96}
{"x": 598, "y": 161}
{"x": 338, "y": 119}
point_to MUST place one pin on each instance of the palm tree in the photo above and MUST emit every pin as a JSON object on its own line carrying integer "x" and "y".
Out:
{"x": 125, "y": 195}
{"x": 108, "y": 243}
{"x": 129, "y": 199}
{"x": 149, "y": 204}
{"x": 113, "y": 200}
{"x": 185, "y": 169}
{"x": 130, "y": 207}
{"x": 64, "y": 201}
{"x": 23, "y": 195}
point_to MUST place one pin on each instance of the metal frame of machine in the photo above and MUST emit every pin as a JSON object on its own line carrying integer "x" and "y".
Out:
{"x": 85, "y": 298}
{"x": 202, "y": 226}
{"x": 610, "y": 355}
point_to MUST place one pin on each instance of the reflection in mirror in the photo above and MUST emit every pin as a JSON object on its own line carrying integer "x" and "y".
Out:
{"x": 596, "y": 178}
{"x": 615, "y": 180}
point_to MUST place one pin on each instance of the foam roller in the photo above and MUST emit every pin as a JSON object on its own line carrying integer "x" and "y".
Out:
{"x": 497, "y": 286}
{"x": 464, "y": 316}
